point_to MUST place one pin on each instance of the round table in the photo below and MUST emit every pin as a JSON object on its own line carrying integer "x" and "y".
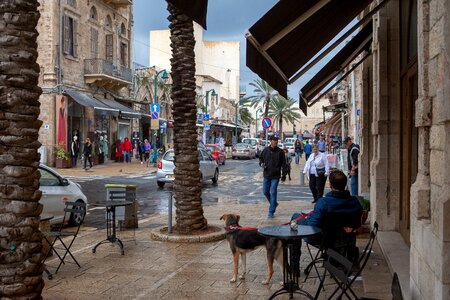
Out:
{"x": 291, "y": 241}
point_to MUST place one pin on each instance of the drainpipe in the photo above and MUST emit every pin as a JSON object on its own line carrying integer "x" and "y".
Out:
{"x": 353, "y": 96}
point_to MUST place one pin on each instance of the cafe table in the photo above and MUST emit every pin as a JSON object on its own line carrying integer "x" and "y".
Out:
{"x": 291, "y": 242}
{"x": 111, "y": 222}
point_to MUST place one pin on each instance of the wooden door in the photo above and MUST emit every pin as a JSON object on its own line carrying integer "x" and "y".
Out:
{"x": 408, "y": 146}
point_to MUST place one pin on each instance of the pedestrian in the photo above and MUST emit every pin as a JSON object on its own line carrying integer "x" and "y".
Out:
{"x": 141, "y": 151}
{"x": 322, "y": 144}
{"x": 87, "y": 151}
{"x": 272, "y": 160}
{"x": 286, "y": 171}
{"x": 127, "y": 149}
{"x": 352, "y": 160}
{"x": 298, "y": 150}
{"x": 148, "y": 147}
{"x": 74, "y": 150}
{"x": 316, "y": 169}
{"x": 307, "y": 149}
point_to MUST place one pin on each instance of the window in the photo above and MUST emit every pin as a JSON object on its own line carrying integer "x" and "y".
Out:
{"x": 123, "y": 30}
{"x": 109, "y": 47}
{"x": 108, "y": 22}
{"x": 70, "y": 36}
{"x": 72, "y": 3}
{"x": 123, "y": 54}
{"x": 93, "y": 14}
{"x": 94, "y": 43}
{"x": 48, "y": 179}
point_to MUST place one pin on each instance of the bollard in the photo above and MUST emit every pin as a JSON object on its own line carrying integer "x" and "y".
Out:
{"x": 302, "y": 178}
{"x": 169, "y": 225}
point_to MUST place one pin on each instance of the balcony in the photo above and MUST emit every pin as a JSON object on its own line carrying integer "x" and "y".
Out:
{"x": 104, "y": 73}
{"x": 118, "y": 3}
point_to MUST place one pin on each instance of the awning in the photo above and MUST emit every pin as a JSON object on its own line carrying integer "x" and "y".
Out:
{"x": 125, "y": 111}
{"x": 332, "y": 126}
{"x": 290, "y": 34}
{"x": 89, "y": 101}
{"x": 360, "y": 43}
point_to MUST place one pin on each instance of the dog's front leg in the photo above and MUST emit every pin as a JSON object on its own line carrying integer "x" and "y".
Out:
{"x": 244, "y": 264}
{"x": 235, "y": 266}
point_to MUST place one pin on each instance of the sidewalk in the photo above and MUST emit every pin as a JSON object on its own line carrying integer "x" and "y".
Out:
{"x": 110, "y": 168}
{"x": 161, "y": 270}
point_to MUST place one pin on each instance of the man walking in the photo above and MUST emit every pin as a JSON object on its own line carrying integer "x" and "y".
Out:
{"x": 308, "y": 150}
{"x": 352, "y": 160}
{"x": 272, "y": 159}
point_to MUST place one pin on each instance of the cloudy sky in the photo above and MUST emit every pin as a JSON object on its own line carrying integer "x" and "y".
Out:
{"x": 226, "y": 20}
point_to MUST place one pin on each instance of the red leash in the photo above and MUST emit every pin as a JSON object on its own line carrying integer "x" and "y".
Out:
{"x": 234, "y": 227}
{"x": 299, "y": 218}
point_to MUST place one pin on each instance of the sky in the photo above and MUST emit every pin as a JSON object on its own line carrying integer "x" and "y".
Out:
{"x": 227, "y": 20}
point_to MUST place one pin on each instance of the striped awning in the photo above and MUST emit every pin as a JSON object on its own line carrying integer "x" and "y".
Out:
{"x": 333, "y": 126}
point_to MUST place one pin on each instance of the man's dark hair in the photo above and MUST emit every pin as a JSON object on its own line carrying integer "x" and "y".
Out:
{"x": 338, "y": 180}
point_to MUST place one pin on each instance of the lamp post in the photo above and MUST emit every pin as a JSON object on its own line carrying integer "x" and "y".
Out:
{"x": 256, "y": 121}
{"x": 164, "y": 76}
{"x": 205, "y": 132}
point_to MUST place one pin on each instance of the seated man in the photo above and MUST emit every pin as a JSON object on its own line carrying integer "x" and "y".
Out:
{"x": 333, "y": 212}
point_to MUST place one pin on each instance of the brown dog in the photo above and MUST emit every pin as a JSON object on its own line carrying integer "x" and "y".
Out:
{"x": 243, "y": 240}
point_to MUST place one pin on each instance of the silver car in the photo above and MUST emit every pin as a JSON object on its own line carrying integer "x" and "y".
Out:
{"x": 243, "y": 150}
{"x": 56, "y": 191}
{"x": 208, "y": 167}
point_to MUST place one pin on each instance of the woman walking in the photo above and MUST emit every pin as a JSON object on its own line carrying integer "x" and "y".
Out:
{"x": 127, "y": 149}
{"x": 286, "y": 169}
{"x": 317, "y": 170}
{"x": 87, "y": 150}
{"x": 298, "y": 148}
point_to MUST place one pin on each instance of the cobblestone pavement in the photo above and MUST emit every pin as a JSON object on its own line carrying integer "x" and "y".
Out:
{"x": 161, "y": 270}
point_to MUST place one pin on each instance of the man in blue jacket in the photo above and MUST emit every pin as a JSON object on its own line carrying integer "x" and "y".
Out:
{"x": 272, "y": 159}
{"x": 307, "y": 149}
{"x": 337, "y": 202}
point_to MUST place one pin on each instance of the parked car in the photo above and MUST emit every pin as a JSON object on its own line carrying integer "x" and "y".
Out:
{"x": 290, "y": 140}
{"x": 56, "y": 191}
{"x": 208, "y": 167}
{"x": 216, "y": 152}
{"x": 281, "y": 145}
{"x": 257, "y": 144}
{"x": 290, "y": 147}
{"x": 243, "y": 150}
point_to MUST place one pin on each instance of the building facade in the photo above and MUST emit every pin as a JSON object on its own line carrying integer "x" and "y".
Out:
{"x": 84, "y": 54}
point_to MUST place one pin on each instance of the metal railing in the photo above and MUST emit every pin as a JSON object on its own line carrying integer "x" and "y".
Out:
{"x": 105, "y": 67}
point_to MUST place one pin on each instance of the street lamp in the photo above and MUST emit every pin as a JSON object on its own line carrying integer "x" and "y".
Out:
{"x": 164, "y": 76}
{"x": 256, "y": 121}
{"x": 205, "y": 132}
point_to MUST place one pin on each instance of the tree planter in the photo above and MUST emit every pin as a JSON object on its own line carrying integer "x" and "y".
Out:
{"x": 63, "y": 163}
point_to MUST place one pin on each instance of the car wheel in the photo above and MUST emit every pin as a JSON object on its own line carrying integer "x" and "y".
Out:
{"x": 216, "y": 176}
{"x": 75, "y": 219}
{"x": 160, "y": 184}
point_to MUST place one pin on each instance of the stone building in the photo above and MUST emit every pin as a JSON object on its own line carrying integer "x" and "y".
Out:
{"x": 84, "y": 54}
{"x": 399, "y": 59}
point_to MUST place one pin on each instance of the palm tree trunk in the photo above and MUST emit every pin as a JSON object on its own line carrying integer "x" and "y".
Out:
{"x": 20, "y": 239}
{"x": 280, "y": 122}
{"x": 187, "y": 186}
{"x": 266, "y": 108}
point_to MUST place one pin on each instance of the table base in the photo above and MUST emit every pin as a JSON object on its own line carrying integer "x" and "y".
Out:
{"x": 112, "y": 241}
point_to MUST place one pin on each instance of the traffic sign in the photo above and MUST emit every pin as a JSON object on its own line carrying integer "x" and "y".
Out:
{"x": 155, "y": 107}
{"x": 206, "y": 126}
{"x": 266, "y": 122}
{"x": 206, "y": 117}
{"x": 155, "y": 115}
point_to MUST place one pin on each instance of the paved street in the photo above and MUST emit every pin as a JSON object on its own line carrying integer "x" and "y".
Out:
{"x": 240, "y": 181}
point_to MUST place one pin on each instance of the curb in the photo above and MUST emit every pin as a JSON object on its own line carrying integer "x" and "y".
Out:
{"x": 161, "y": 234}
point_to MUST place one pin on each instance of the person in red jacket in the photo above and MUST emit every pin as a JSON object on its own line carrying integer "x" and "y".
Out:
{"x": 127, "y": 149}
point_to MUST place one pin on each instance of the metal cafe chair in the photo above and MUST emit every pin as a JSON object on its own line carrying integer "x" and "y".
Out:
{"x": 55, "y": 238}
{"x": 343, "y": 271}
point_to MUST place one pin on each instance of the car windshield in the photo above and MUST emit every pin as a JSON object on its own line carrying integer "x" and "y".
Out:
{"x": 288, "y": 144}
{"x": 249, "y": 141}
{"x": 211, "y": 148}
{"x": 169, "y": 156}
{"x": 241, "y": 146}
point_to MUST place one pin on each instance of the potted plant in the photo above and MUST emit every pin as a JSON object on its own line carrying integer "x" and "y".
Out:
{"x": 365, "y": 203}
{"x": 62, "y": 157}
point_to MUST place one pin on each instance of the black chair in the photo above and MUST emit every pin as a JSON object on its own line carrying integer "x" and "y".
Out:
{"x": 396, "y": 289}
{"x": 343, "y": 271}
{"x": 341, "y": 238}
{"x": 55, "y": 238}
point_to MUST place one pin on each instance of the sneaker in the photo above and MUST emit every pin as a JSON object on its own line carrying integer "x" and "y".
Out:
{"x": 270, "y": 215}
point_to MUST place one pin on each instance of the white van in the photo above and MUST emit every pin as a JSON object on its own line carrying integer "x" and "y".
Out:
{"x": 290, "y": 140}
{"x": 257, "y": 144}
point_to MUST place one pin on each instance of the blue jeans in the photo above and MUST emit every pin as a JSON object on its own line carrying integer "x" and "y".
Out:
{"x": 298, "y": 155}
{"x": 270, "y": 191}
{"x": 126, "y": 156}
{"x": 354, "y": 184}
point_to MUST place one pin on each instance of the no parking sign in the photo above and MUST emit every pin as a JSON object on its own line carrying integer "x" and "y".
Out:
{"x": 266, "y": 122}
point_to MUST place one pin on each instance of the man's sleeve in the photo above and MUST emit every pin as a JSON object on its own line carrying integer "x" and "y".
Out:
{"x": 355, "y": 154}
{"x": 316, "y": 218}
{"x": 283, "y": 159}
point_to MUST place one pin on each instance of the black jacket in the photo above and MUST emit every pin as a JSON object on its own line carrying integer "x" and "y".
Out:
{"x": 352, "y": 156}
{"x": 273, "y": 160}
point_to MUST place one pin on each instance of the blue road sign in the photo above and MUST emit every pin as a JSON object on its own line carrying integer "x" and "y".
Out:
{"x": 206, "y": 117}
{"x": 155, "y": 115}
{"x": 155, "y": 107}
{"x": 206, "y": 126}
{"x": 266, "y": 123}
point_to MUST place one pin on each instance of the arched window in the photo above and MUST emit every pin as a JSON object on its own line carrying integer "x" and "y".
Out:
{"x": 123, "y": 30}
{"x": 93, "y": 14}
{"x": 72, "y": 3}
{"x": 108, "y": 22}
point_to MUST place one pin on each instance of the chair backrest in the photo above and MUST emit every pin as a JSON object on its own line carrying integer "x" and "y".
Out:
{"x": 78, "y": 208}
{"x": 334, "y": 223}
{"x": 396, "y": 289}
